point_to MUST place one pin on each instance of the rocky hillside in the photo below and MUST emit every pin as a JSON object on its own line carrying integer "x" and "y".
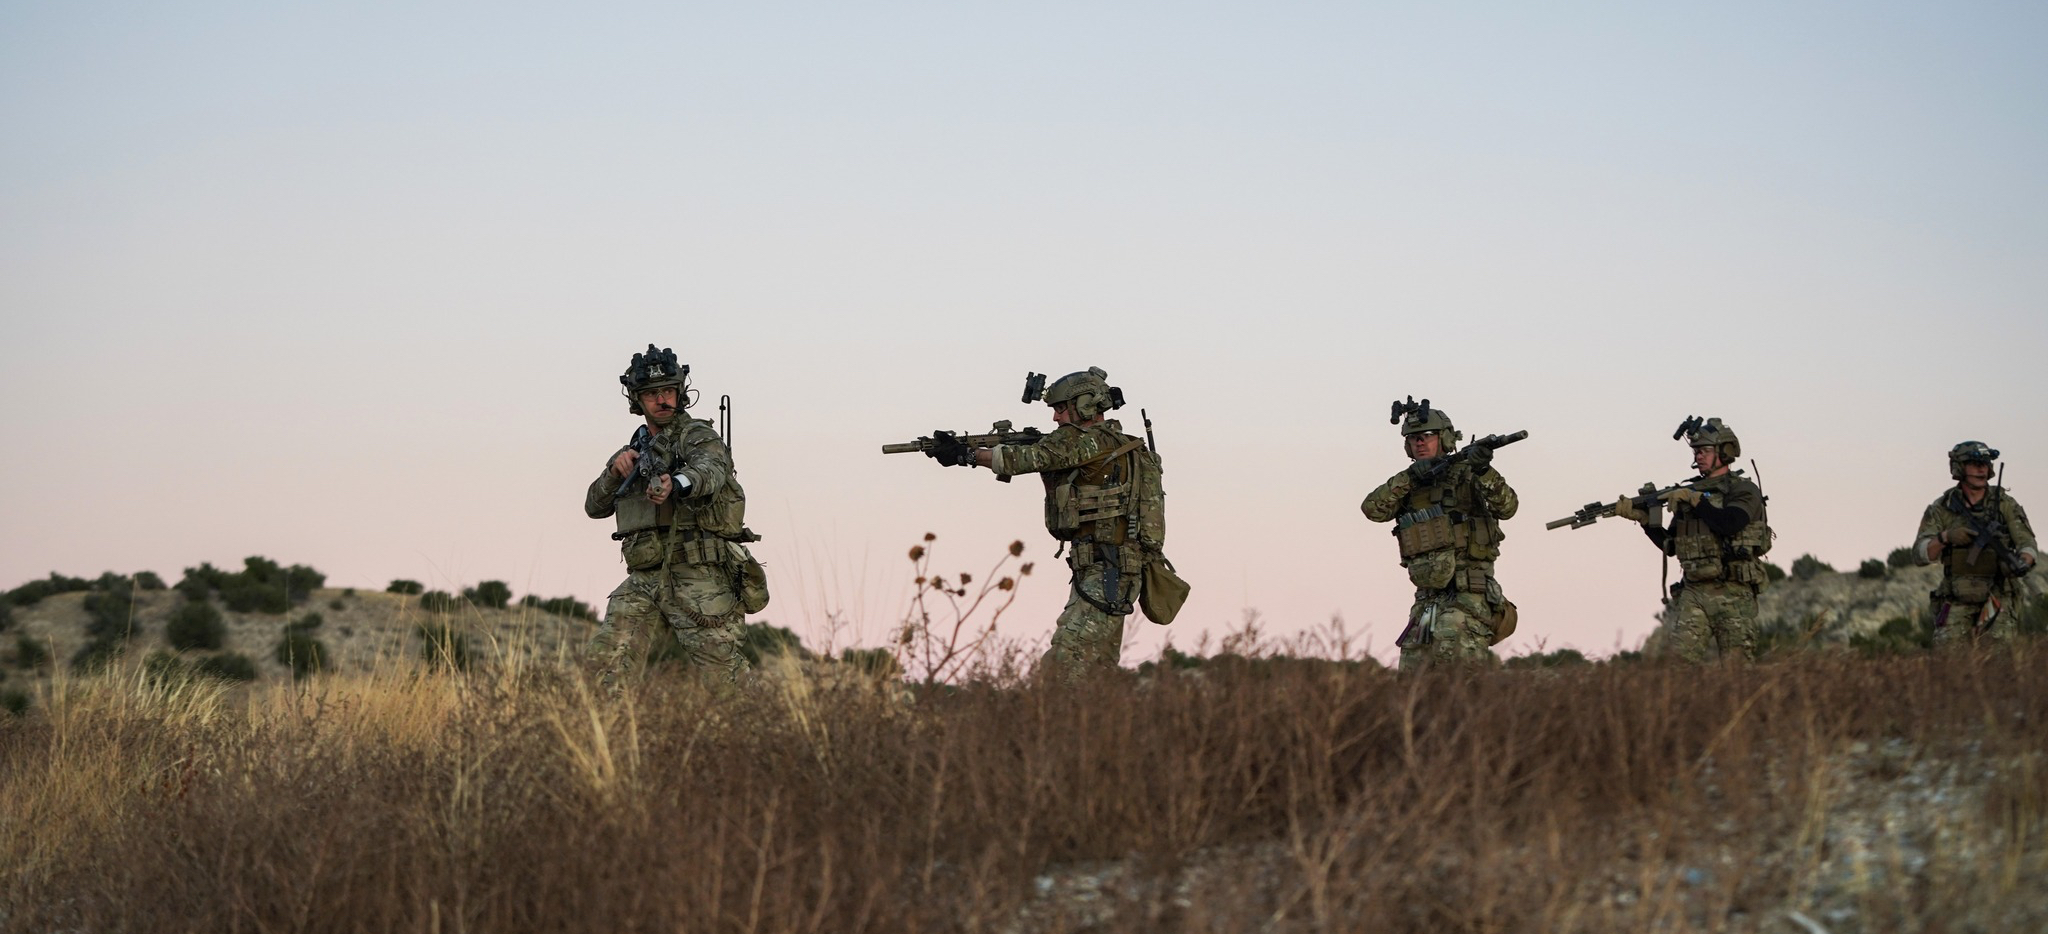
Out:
{"x": 357, "y": 629}
{"x": 1835, "y": 607}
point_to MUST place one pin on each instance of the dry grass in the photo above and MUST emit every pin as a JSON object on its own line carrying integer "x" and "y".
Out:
{"x": 1898, "y": 794}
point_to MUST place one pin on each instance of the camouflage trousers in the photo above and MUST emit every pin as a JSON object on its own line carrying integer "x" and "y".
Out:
{"x": 1448, "y": 628}
{"x": 696, "y": 606}
{"x": 1957, "y": 623}
{"x": 1088, "y": 636}
{"x": 1715, "y": 620}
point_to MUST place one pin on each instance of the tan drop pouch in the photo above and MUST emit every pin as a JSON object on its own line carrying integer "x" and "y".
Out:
{"x": 1504, "y": 621}
{"x": 1163, "y": 591}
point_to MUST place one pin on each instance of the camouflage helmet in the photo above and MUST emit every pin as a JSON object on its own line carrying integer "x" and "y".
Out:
{"x": 1088, "y": 391}
{"x": 654, "y": 369}
{"x": 1969, "y": 452}
{"x": 1709, "y": 432}
{"x": 1417, "y": 418}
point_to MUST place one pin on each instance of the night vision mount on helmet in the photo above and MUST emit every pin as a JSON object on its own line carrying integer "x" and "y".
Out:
{"x": 1088, "y": 391}
{"x": 1417, "y": 418}
{"x": 1969, "y": 452}
{"x": 1709, "y": 432}
{"x": 654, "y": 369}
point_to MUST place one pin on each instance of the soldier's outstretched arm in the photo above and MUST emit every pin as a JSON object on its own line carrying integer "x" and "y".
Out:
{"x": 597, "y": 501}
{"x": 1066, "y": 447}
{"x": 1384, "y": 503}
{"x": 1925, "y": 549}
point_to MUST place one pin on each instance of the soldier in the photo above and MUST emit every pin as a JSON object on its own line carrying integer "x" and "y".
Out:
{"x": 1102, "y": 498}
{"x": 1989, "y": 544}
{"x": 1447, "y": 513}
{"x": 681, "y": 528}
{"x": 1719, "y": 534}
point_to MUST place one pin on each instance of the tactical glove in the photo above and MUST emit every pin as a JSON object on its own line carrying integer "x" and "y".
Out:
{"x": 1683, "y": 497}
{"x": 950, "y": 451}
{"x": 1625, "y": 508}
{"x": 1960, "y": 535}
{"x": 1423, "y": 470}
{"x": 1480, "y": 458}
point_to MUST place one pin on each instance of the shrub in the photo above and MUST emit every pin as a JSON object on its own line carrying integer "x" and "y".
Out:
{"x": 302, "y": 653}
{"x": 405, "y": 587}
{"x": 6, "y": 614}
{"x": 30, "y": 653}
{"x": 1807, "y": 567}
{"x": 95, "y": 655}
{"x": 305, "y": 623}
{"x": 2034, "y": 616}
{"x": 1558, "y": 659}
{"x": 758, "y": 639}
{"x": 1872, "y": 569}
{"x": 1901, "y": 558}
{"x": 490, "y": 594}
{"x": 227, "y": 666}
{"x": 195, "y": 626}
{"x": 336, "y": 605}
{"x": 443, "y": 646}
{"x": 33, "y": 592}
{"x": 1898, "y": 635}
{"x": 1773, "y": 573}
{"x": 873, "y": 663}
{"x": 560, "y": 606}
{"x": 14, "y": 701}
{"x": 147, "y": 580}
{"x": 112, "y": 615}
{"x": 247, "y": 596}
{"x": 162, "y": 669}
{"x": 437, "y": 601}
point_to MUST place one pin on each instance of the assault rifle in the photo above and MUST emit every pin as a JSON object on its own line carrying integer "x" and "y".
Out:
{"x": 1000, "y": 433}
{"x": 645, "y": 467}
{"x": 1444, "y": 464}
{"x": 1646, "y": 499}
{"x": 1990, "y": 531}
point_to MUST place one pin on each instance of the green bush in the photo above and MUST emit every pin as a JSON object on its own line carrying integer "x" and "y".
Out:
{"x": 33, "y": 592}
{"x": 147, "y": 580}
{"x": 6, "y": 614}
{"x": 437, "y": 601}
{"x": 405, "y": 587}
{"x": 1901, "y": 558}
{"x": 874, "y": 663}
{"x": 759, "y": 639}
{"x": 30, "y": 653}
{"x": 442, "y": 646}
{"x": 110, "y": 615}
{"x": 305, "y": 623}
{"x": 1872, "y": 569}
{"x": 302, "y": 653}
{"x": 1773, "y": 573}
{"x": 195, "y": 626}
{"x": 1557, "y": 659}
{"x": 162, "y": 669}
{"x": 14, "y": 701}
{"x": 1898, "y": 635}
{"x": 262, "y": 586}
{"x": 95, "y": 655}
{"x": 246, "y": 596}
{"x": 1807, "y": 567}
{"x": 489, "y": 594}
{"x": 226, "y": 666}
{"x": 560, "y": 606}
{"x": 336, "y": 605}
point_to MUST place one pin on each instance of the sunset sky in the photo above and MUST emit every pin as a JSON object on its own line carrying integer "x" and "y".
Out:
{"x": 351, "y": 285}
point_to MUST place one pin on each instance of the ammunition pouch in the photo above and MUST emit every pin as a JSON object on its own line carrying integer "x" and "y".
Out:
{"x": 1433, "y": 570}
{"x": 750, "y": 580}
{"x": 1969, "y": 588}
{"x": 1164, "y": 592}
{"x": 1504, "y": 619}
{"x": 641, "y": 549}
{"x": 1425, "y": 531}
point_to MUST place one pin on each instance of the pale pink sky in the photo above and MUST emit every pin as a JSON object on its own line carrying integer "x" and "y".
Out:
{"x": 352, "y": 288}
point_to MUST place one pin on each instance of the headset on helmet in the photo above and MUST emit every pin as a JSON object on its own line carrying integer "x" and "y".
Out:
{"x": 1417, "y": 418}
{"x": 1969, "y": 452}
{"x": 654, "y": 369}
{"x": 1709, "y": 432}
{"x": 1088, "y": 391}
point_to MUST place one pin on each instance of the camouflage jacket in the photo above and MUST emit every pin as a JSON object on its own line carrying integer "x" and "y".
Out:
{"x": 1722, "y": 538}
{"x": 691, "y": 449}
{"x": 1949, "y": 512}
{"x": 1089, "y": 495}
{"x": 1472, "y": 502}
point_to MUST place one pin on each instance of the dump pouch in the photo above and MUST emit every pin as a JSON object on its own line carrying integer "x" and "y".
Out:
{"x": 1163, "y": 592}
